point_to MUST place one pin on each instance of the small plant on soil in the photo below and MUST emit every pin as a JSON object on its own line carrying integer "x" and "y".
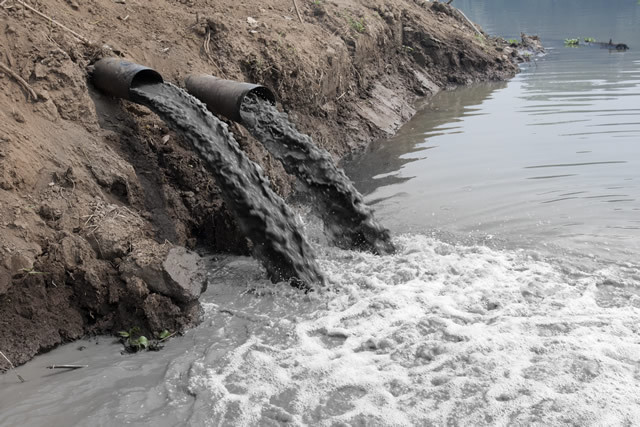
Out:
{"x": 572, "y": 42}
{"x": 164, "y": 335}
{"x": 357, "y": 25}
{"x": 513, "y": 41}
{"x": 134, "y": 341}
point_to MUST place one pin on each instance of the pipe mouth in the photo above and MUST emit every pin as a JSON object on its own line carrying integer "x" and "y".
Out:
{"x": 116, "y": 77}
{"x": 146, "y": 76}
{"x": 225, "y": 97}
{"x": 263, "y": 93}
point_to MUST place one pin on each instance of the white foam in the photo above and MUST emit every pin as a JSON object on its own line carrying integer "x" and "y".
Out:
{"x": 439, "y": 333}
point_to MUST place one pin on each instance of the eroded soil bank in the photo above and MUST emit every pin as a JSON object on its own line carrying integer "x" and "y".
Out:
{"x": 101, "y": 203}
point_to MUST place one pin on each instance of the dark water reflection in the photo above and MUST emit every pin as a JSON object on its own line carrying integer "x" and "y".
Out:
{"x": 552, "y": 157}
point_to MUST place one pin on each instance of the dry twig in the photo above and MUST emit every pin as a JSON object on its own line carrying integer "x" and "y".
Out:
{"x": 470, "y": 23}
{"x": 67, "y": 366}
{"x": 295, "y": 4}
{"x": 12, "y": 367}
{"x": 167, "y": 337}
{"x": 207, "y": 51}
{"x": 20, "y": 80}
{"x": 53, "y": 21}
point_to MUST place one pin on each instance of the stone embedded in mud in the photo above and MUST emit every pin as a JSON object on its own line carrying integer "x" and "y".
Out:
{"x": 117, "y": 182}
{"x": 40, "y": 71}
{"x": 114, "y": 238}
{"x": 113, "y": 230}
{"x": 18, "y": 116}
{"x": 75, "y": 251}
{"x": 185, "y": 268}
{"x": 216, "y": 24}
{"x": 49, "y": 212}
{"x": 175, "y": 272}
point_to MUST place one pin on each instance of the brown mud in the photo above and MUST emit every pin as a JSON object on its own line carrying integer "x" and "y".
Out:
{"x": 101, "y": 204}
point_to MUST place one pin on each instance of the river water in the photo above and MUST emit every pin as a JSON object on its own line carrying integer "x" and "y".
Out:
{"x": 513, "y": 298}
{"x": 549, "y": 158}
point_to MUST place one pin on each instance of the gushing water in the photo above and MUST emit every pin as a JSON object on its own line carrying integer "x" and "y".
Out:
{"x": 261, "y": 214}
{"x": 349, "y": 222}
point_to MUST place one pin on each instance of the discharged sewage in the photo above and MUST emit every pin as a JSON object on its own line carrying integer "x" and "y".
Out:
{"x": 348, "y": 220}
{"x": 262, "y": 215}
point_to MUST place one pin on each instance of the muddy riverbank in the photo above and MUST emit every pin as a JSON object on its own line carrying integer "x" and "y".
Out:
{"x": 101, "y": 204}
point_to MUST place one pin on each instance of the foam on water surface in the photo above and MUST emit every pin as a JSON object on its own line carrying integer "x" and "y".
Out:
{"x": 438, "y": 334}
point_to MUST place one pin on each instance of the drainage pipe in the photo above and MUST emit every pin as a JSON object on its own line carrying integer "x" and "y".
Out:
{"x": 225, "y": 97}
{"x": 117, "y": 77}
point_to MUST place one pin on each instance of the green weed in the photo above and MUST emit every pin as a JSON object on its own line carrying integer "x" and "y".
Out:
{"x": 133, "y": 340}
{"x": 164, "y": 335}
{"x": 357, "y": 25}
{"x": 571, "y": 42}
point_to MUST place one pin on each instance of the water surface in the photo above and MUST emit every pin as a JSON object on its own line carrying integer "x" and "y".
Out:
{"x": 549, "y": 158}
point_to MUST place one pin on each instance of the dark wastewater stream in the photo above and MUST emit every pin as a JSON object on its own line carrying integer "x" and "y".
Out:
{"x": 261, "y": 214}
{"x": 348, "y": 221}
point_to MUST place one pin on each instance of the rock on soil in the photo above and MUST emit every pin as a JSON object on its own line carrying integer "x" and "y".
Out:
{"x": 174, "y": 272}
{"x": 99, "y": 200}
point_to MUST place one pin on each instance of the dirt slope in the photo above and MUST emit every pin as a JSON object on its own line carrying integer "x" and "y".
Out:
{"x": 97, "y": 197}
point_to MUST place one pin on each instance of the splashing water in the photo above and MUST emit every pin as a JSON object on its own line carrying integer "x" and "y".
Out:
{"x": 348, "y": 220}
{"x": 261, "y": 214}
{"x": 435, "y": 334}
{"x": 438, "y": 334}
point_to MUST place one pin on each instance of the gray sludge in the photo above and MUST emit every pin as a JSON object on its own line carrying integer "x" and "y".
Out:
{"x": 349, "y": 222}
{"x": 262, "y": 215}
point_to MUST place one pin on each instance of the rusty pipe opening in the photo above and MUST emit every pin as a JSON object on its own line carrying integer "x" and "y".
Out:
{"x": 225, "y": 97}
{"x": 116, "y": 77}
